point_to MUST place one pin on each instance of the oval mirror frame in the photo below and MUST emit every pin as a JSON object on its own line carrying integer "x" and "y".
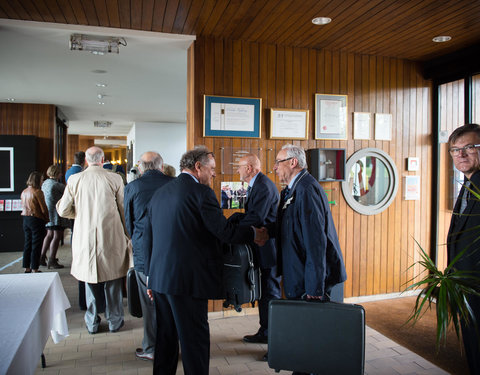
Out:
{"x": 391, "y": 190}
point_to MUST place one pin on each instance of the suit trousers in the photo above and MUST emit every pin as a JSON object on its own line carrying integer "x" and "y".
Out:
{"x": 271, "y": 290}
{"x": 471, "y": 338}
{"x": 181, "y": 318}
{"x": 148, "y": 312}
{"x": 112, "y": 290}
{"x": 34, "y": 230}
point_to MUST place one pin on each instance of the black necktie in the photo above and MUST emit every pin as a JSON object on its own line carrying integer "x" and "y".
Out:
{"x": 286, "y": 192}
{"x": 465, "y": 197}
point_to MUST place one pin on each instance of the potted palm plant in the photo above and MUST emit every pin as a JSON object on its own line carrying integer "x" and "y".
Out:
{"x": 447, "y": 289}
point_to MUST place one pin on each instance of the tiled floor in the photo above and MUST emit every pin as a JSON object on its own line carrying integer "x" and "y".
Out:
{"x": 113, "y": 353}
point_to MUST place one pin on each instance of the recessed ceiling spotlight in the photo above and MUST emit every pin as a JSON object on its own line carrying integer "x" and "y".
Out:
{"x": 101, "y": 103}
{"x": 100, "y": 96}
{"x": 321, "y": 20}
{"x": 101, "y": 85}
{"x": 10, "y": 99}
{"x": 442, "y": 38}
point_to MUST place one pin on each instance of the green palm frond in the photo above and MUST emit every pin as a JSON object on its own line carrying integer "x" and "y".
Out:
{"x": 448, "y": 289}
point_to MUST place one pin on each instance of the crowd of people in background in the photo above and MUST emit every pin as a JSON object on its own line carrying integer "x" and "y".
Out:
{"x": 175, "y": 227}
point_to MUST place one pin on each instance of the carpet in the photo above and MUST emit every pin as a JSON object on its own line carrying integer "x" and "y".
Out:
{"x": 389, "y": 316}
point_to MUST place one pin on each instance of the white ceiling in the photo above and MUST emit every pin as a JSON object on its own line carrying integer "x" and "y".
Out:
{"x": 146, "y": 81}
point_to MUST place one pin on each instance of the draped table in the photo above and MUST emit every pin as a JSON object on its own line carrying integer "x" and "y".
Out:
{"x": 32, "y": 307}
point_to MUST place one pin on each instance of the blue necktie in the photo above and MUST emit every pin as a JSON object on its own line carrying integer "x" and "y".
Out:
{"x": 248, "y": 190}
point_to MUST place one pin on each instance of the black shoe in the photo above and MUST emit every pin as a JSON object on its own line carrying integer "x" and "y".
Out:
{"x": 257, "y": 338}
{"x": 265, "y": 357}
{"x": 118, "y": 329}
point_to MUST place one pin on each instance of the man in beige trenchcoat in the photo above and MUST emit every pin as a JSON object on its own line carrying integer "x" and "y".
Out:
{"x": 94, "y": 198}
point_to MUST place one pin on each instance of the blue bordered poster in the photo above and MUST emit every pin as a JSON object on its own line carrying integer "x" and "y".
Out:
{"x": 226, "y": 116}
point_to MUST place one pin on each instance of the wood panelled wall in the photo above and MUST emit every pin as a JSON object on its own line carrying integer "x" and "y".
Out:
{"x": 377, "y": 249}
{"x": 31, "y": 119}
{"x": 452, "y": 115}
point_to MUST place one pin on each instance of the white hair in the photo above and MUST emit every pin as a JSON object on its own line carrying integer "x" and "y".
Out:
{"x": 296, "y": 152}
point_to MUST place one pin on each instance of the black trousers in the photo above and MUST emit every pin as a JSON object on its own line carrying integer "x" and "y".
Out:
{"x": 471, "y": 338}
{"x": 181, "y": 318}
{"x": 271, "y": 290}
{"x": 34, "y": 230}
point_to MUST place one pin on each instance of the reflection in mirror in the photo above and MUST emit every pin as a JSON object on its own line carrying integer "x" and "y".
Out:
{"x": 372, "y": 181}
{"x": 369, "y": 179}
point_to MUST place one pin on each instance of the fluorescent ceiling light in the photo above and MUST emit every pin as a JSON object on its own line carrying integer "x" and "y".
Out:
{"x": 98, "y": 45}
{"x": 110, "y": 142}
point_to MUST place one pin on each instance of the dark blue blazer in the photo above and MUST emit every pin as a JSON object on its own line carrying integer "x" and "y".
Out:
{"x": 72, "y": 170}
{"x": 309, "y": 251}
{"x": 186, "y": 228}
{"x": 137, "y": 195}
{"x": 261, "y": 210}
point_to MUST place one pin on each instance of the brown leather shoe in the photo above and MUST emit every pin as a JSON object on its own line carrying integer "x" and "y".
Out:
{"x": 54, "y": 264}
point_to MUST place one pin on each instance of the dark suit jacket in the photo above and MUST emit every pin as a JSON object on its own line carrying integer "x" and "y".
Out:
{"x": 186, "y": 226}
{"x": 260, "y": 210}
{"x": 464, "y": 232}
{"x": 307, "y": 241}
{"x": 137, "y": 195}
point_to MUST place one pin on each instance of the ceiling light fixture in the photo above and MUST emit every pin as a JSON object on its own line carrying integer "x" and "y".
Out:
{"x": 101, "y": 85}
{"x": 101, "y": 103}
{"x": 100, "y": 96}
{"x": 442, "y": 38}
{"x": 10, "y": 99}
{"x": 321, "y": 20}
{"x": 102, "y": 124}
{"x": 98, "y": 45}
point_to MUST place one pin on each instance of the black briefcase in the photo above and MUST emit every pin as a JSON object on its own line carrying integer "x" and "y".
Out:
{"x": 241, "y": 277}
{"x": 316, "y": 337}
{"x": 133, "y": 299}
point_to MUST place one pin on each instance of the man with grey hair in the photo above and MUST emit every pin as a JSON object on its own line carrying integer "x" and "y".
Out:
{"x": 94, "y": 198}
{"x": 186, "y": 228}
{"x": 310, "y": 258}
{"x": 137, "y": 196}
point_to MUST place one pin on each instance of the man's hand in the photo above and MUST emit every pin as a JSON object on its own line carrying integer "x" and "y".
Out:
{"x": 150, "y": 294}
{"x": 261, "y": 236}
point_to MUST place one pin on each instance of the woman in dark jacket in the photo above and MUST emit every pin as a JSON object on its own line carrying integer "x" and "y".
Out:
{"x": 53, "y": 191}
{"x": 35, "y": 215}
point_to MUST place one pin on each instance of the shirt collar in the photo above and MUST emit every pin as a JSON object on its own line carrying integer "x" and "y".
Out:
{"x": 191, "y": 175}
{"x": 252, "y": 181}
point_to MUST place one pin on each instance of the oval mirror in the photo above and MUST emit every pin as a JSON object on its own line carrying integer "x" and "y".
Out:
{"x": 371, "y": 181}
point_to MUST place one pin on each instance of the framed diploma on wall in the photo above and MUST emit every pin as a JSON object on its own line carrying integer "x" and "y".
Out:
{"x": 288, "y": 123}
{"x": 330, "y": 116}
{"x": 226, "y": 116}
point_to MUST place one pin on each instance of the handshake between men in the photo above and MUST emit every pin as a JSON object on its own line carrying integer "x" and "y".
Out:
{"x": 261, "y": 236}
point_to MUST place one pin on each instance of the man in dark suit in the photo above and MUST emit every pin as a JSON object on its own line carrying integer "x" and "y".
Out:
{"x": 463, "y": 234}
{"x": 185, "y": 265}
{"x": 309, "y": 255}
{"x": 137, "y": 196}
{"x": 260, "y": 210}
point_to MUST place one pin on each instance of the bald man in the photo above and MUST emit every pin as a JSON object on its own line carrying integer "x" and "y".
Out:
{"x": 94, "y": 198}
{"x": 137, "y": 196}
{"x": 260, "y": 209}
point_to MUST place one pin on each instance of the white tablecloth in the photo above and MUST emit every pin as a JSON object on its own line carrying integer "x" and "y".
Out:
{"x": 32, "y": 306}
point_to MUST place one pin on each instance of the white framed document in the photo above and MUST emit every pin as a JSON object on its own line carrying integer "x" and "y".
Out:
{"x": 383, "y": 126}
{"x": 361, "y": 125}
{"x": 288, "y": 123}
{"x": 330, "y": 116}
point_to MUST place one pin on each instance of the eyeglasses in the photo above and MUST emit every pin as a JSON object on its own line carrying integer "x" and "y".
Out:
{"x": 469, "y": 149}
{"x": 276, "y": 162}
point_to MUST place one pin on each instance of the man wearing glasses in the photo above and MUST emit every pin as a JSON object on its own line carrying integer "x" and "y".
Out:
{"x": 309, "y": 254}
{"x": 463, "y": 234}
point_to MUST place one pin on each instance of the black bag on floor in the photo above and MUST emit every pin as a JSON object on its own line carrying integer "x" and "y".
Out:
{"x": 241, "y": 278}
{"x": 133, "y": 299}
{"x": 316, "y": 337}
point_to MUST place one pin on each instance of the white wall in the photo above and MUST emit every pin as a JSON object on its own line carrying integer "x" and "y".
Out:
{"x": 169, "y": 140}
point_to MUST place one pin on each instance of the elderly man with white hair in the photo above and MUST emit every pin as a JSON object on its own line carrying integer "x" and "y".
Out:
{"x": 94, "y": 198}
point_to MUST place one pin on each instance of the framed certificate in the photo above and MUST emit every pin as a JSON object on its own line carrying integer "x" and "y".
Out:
{"x": 383, "y": 127}
{"x": 330, "y": 116}
{"x": 232, "y": 117}
{"x": 288, "y": 123}
{"x": 361, "y": 125}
